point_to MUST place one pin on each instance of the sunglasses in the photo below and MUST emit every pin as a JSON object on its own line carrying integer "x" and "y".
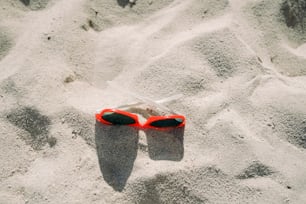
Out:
{"x": 120, "y": 117}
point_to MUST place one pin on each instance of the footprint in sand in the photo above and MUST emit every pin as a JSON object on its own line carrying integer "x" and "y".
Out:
{"x": 256, "y": 169}
{"x": 35, "y": 4}
{"x": 34, "y": 123}
{"x": 5, "y": 44}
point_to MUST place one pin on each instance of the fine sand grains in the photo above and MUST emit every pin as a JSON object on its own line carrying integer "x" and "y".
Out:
{"x": 280, "y": 40}
{"x": 239, "y": 65}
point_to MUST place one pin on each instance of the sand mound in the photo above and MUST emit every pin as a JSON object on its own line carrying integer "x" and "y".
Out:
{"x": 293, "y": 125}
{"x": 82, "y": 125}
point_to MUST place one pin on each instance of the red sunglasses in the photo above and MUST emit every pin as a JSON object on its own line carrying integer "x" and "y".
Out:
{"x": 119, "y": 117}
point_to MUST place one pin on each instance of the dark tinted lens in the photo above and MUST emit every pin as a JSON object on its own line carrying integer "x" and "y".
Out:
{"x": 118, "y": 119}
{"x": 171, "y": 122}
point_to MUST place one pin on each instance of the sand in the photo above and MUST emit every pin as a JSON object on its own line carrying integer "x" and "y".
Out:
{"x": 239, "y": 64}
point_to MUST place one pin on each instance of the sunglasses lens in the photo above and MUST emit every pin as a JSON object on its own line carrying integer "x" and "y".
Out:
{"x": 171, "y": 122}
{"x": 118, "y": 119}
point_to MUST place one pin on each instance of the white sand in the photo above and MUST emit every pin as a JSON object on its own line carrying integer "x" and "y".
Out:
{"x": 241, "y": 71}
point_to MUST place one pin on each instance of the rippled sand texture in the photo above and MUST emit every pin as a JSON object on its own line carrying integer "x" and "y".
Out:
{"x": 240, "y": 65}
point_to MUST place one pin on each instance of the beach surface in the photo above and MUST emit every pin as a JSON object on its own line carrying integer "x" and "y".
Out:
{"x": 239, "y": 66}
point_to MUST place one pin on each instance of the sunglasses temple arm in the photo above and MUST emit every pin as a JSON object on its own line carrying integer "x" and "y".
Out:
{"x": 169, "y": 99}
{"x": 130, "y": 105}
{"x": 161, "y": 101}
{"x": 147, "y": 100}
{"x": 164, "y": 100}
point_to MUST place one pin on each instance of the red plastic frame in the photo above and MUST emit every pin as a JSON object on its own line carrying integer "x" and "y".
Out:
{"x": 137, "y": 123}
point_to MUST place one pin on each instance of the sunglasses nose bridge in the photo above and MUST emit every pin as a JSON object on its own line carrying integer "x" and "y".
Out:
{"x": 137, "y": 121}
